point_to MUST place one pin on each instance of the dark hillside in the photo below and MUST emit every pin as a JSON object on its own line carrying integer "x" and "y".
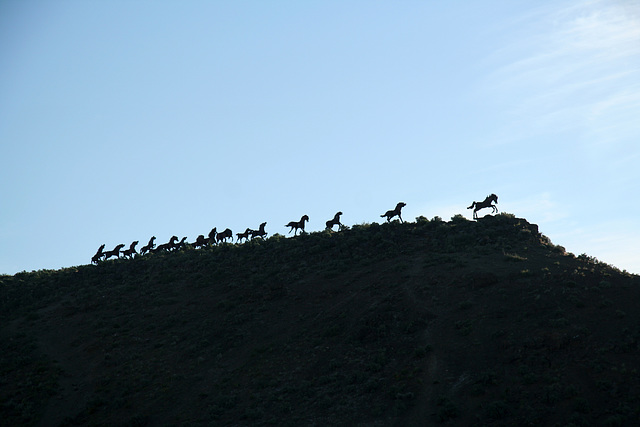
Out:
{"x": 454, "y": 323}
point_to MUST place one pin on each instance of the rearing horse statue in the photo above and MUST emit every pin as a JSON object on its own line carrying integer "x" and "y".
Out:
{"x": 335, "y": 221}
{"x": 98, "y": 256}
{"x": 149, "y": 246}
{"x": 486, "y": 203}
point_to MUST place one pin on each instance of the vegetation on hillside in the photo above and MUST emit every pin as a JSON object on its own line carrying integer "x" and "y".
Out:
{"x": 428, "y": 322}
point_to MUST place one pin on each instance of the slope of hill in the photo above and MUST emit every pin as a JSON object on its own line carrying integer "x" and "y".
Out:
{"x": 432, "y": 322}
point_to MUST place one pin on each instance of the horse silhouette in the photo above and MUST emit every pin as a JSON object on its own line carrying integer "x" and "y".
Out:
{"x": 115, "y": 252}
{"x": 212, "y": 236}
{"x": 223, "y": 236}
{"x": 149, "y": 246}
{"x": 99, "y": 254}
{"x": 181, "y": 244}
{"x": 244, "y": 235}
{"x": 335, "y": 221}
{"x": 395, "y": 212}
{"x": 486, "y": 203}
{"x": 128, "y": 253}
{"x": 295, "y": 225}
{"x": 166, "y": 246}
{"x": 200, "y": 242}
{"x": 260, "y": 232}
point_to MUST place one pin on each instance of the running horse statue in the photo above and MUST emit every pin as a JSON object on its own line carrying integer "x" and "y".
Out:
{"x": 486, "y": 203}
{"x": 260, "y": 232}
{"x": 396, "y": 212}
{"x": 297, "y": 225}
{"x": 224, "y": 235}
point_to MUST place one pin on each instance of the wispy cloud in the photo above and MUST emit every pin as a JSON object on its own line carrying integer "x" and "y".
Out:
{"x": 576, "y": 67}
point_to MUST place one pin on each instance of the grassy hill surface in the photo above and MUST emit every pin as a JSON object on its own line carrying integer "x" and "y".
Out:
{"x": 424, "y": 323}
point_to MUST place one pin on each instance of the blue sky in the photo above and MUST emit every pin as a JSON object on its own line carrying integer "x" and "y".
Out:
{"x": 120, "y": 120}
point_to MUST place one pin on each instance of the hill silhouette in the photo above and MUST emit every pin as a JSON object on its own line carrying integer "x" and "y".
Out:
{"x": 423, "y": 323}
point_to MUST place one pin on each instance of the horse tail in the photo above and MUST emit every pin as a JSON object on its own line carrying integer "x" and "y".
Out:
{"x": 473, "y": 205}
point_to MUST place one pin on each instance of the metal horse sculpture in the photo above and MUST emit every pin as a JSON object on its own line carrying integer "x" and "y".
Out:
{"x": 335, "y": 221}
{"x": 200, "y": 242}
{"x": 115, "y": 252}
{"x": 224, "y": 235}
{"x": 149, "y": 246}
{"x": 128, "y": 253}
{"x": 396, "y": 212}
{"x": 486, "y": 203}
{"x": 244, "y": 235}
{"x": 260, "y": 232}
{"x": 296, "y": 225}
{"x": 98, "y": 256}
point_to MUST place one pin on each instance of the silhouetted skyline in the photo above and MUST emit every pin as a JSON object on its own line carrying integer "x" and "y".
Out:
{"x": 125, "y": 120}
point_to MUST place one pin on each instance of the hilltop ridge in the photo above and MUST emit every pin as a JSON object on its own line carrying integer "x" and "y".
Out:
{"x": 427, "y": 322}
